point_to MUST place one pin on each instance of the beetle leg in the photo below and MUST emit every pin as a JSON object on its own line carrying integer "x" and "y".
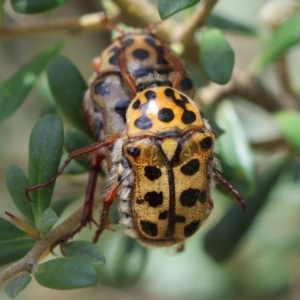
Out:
{"x": 73, "y": 155}
{"x": 107, "y": 202}
{"x": 231, "y": 189}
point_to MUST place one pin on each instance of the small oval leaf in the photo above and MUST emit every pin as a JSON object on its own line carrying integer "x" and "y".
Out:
{"x": 14, "y": 250}
{"x": 167, "y": 8}
{"x": 45, "y": 149}
{"x": 17, "y": 285}
{"x": 84, "y": 249}
{"x": 49, "y": 218}
{"x": 65, "y": 273}
{"x": 235, "y": 152}
{"x": 15, "y": 89}
{"x": 289, "y": 124}
{"x": 9, "y": 231}
{"x": 216, "y": 56}
{"x": 34, "y": 6}
{"x": 16, "y": 182}
{"x": 285, "y": 37}
{"x": 68, "y": 88}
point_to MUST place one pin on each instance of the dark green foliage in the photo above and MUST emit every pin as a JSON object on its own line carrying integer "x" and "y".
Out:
{"x": 68, "y": 88}
{"x": 74, "y": 273}
{"x": 84, "y": 249}
{"x": 45, "y": 150}
{"x": 285, "y": 37}
{"x": 216, "y": 56}
{"x": 16, "y": 182}
{"x": 167, "y": 8}
{"x": 14, "y": 90}
{"x": 8, "y": 231}
{"x": 17, "y": 285}
{"x": 33, "y": 6}
{"x": 14, "y": 250}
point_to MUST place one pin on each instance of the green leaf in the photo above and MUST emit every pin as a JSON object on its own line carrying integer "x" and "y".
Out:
{"x": 45, "y": 149}
{"x": 84, "y": 249}
{"x": 74, "y": 140}
{"x": 231, "y": 25}
{"x": 234, "y": 148}
{"x": 15, "y": 89}
{"x": 289, "y": 124}
{"x": 16, "y": 182}
{"x": 9, "y": 231}
{"x": 167, "y": 8}
{"x": 223, "y": 238}
{"x": 131, "y": 261}
{"x": 17, "y": 285}
{"x": 49, "y": 218}
{"x": 65, "y": 273}
{"x": 60, "y": 205}
{"x": 34, "y": 6}
{"x": 216, "y": 56}
{"x": 68, "y": 88}
{"x": 14, "y": 250}
{"x": 285, "y": 37}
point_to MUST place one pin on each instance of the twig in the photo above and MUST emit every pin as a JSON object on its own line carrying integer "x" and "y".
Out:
{"x": 140, "y": 13}
{"x": 283, "y": 75}
{"x": 42, "y": 247}
{"x": 244, "y": 85}
{"x": 89, "y": 22}
{"x": 185, "y": 34}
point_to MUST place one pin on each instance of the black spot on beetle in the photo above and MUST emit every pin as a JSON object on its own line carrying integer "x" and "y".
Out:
{"x": 152, "y": 173}
{"x": 170, "y": 93}
{"x": 128, "y": 42}
{"x": 179, "y": 219}
{"x": 188, "y": 117}
{"x": 191, "y": 228}
{"x": 114, "y": 59}
{"x": 180, "y": 103}
{"x": 206, "y": 143}
{"x": 140, "y": 201}
{"x": 190, "y": 196}
{"x": 166, "y": 115}
{"x": 143, "y": 123}
{"x": 150, "y": 95}
{"x": 101, "y": 88}
{"x": 140, "y": 54}
{"x": 159, "y": 51}
{"x": 191, "y": 168}
{"x": 136, "y": 104}
{"x": 186, "y": 84}
{"x": 184, "y": 98}
{"x": 121, "y": 108}
{"x": 133, "y": 151}
{"x": 154, "y": 198}
{"x": 163, "y": 215}
{"x": 149, "y": 228}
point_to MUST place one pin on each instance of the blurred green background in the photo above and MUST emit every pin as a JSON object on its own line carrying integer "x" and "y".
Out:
{"x": 265, "y": 264}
